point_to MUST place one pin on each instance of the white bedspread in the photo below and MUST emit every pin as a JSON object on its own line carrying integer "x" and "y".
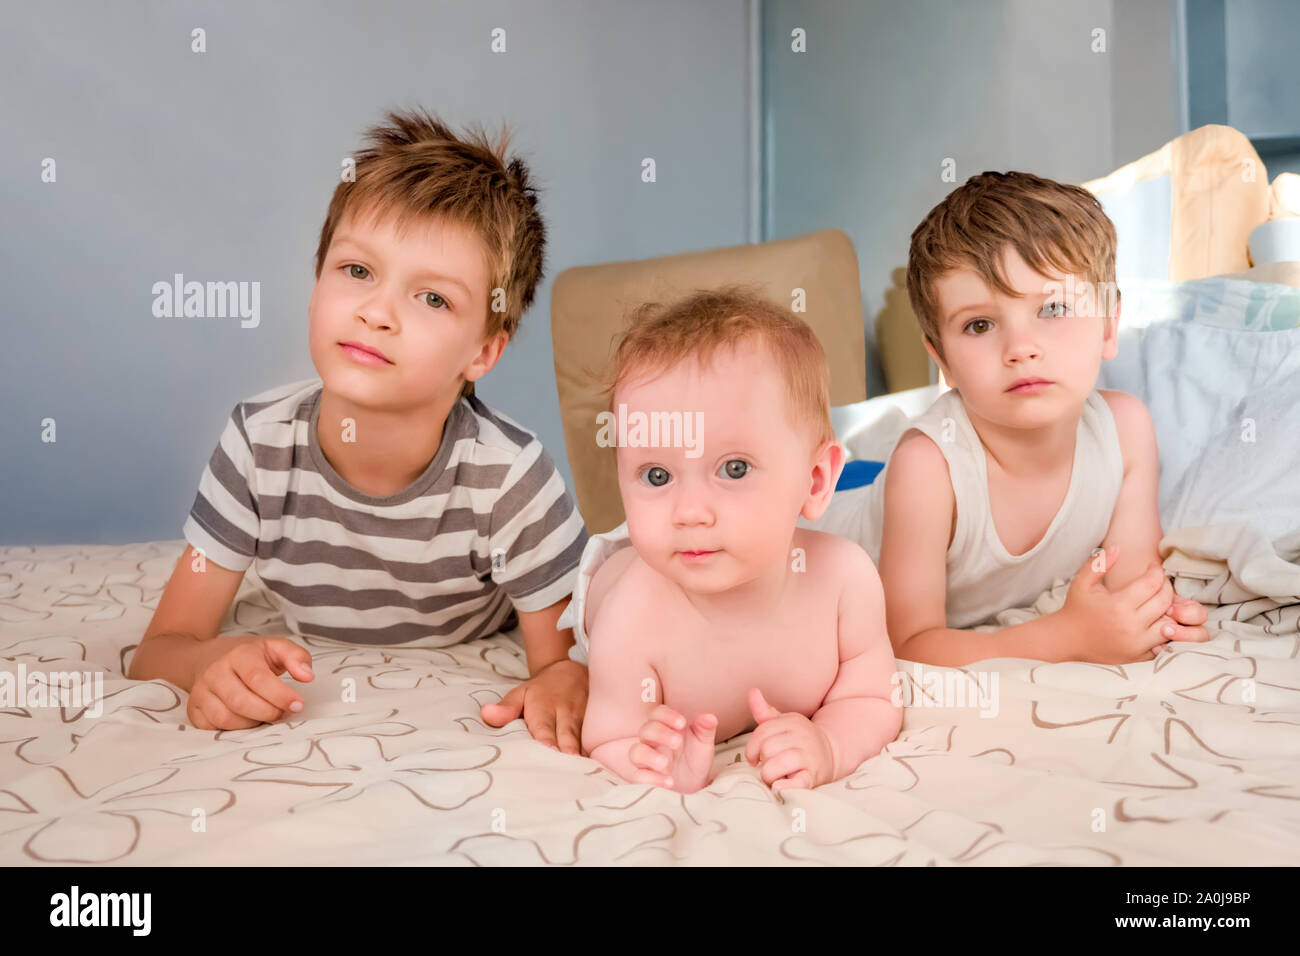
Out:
{"x": 1194, "y": 759}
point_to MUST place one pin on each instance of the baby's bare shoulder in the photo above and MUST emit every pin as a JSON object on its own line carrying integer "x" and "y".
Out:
{"x": 623, "y": 587}
{"x": 840, "y": 558}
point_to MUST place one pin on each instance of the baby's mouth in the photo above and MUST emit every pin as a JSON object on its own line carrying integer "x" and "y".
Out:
{"x": 696, "y": 556}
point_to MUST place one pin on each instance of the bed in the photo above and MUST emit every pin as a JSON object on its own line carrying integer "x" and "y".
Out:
{"x": 1191, "y": 759}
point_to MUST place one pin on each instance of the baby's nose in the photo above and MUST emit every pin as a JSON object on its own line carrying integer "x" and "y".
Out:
{"x": 691, "y": 507}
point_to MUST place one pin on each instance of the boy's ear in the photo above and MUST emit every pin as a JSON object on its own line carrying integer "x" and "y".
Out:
{"x": 827, "y": 463}
{"x": 1110, "y": 339}
{"x": 929, "y": 347}
{"x": 488, "y": 356}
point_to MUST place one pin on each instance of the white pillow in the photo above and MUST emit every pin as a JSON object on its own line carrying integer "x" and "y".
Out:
{"x": 1223, "y": 398}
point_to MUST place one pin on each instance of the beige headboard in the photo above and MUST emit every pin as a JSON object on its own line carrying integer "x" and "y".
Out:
{"x": 1219, "y": 192}
{"x": 590, "y": 306}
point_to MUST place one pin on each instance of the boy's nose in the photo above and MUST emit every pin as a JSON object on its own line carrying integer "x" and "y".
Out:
{"x": 1021, "y": 348}
{"x": 376, "y": 311}
{"x": 376, "y": 318}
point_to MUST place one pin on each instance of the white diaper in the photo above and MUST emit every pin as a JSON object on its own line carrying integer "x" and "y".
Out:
{"x": 597, "y": 552}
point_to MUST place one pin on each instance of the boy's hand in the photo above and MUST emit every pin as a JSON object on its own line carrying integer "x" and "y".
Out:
{"x": 1183, "y": 622}
{"x": 671, "y": 755}
{"x": 791, "y": 751}
{"x": 238, "y": 684}
{"x": 1191, "y": 614}
{"x": 552, "y": 704}
{"x": 1124, "y": 626}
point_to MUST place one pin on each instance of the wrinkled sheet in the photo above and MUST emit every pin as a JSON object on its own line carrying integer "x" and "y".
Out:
{"x": 1191, "y": 759}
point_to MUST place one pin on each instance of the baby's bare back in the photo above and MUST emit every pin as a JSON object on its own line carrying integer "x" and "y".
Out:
{"x": 786, "y": 645}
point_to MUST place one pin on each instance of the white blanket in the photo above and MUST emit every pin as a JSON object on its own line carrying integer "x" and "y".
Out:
{"x": 1193, "y": 759}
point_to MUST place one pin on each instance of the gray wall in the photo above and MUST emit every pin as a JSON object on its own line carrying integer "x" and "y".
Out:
{"x": 856, "y": 128}
{"x": 1262, "y": 72}
{"x": 220, "y": 166}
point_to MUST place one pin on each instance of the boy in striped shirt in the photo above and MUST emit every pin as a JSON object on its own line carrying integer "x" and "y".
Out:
{"x": 385, "y": 503}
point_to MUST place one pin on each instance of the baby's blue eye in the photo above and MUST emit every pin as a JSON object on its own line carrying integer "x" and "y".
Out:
{"x": 1053, "y": 309}
{"x": 352, "y": 266}
{"x": 656, "y": 477}
{"x": 973, "y": 322}
{"x": 734, "y": 468}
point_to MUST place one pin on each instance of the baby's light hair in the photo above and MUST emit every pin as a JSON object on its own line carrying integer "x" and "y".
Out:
{"x": 695, "y": 328}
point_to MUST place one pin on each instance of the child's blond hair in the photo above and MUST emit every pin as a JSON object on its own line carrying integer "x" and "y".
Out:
{"x": 417, "y": 170}
{"x": 698, "y": 326}
{"x": 1051, "y": 225}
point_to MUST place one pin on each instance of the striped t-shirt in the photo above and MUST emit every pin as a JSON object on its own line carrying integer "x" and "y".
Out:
{"x": 487, "y": 529}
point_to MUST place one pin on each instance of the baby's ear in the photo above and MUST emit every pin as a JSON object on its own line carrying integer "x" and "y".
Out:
{"x": 827, "y": 463}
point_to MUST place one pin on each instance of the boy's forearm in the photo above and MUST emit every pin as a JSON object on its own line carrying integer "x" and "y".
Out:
{"x": 544, "y": 645}
{"x": 542, "y": 652}
{"x": 857, "y": 728}
{"x": 1050, "y": 638}
{"x": 177, "y": 657}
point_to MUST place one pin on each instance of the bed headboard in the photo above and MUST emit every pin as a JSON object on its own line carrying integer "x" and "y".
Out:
{"x": 1187, "y": 210}
{"x": 590, "y": 307}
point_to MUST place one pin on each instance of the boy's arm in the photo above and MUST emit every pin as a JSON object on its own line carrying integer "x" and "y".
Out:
{"x": 536, "y": 539}
{"x": 1135, "y": 524}
{"x": 543, "y": 644}
{"x": 554, "y": 697}
{"x": 858, "y": 715}
{"x": 918, "y": 526}
{"x": 179, "y": 639}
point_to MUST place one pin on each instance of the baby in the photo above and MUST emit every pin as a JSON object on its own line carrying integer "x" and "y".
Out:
{"x": 1015, "y": 477}
{"x": 711, "y": 611}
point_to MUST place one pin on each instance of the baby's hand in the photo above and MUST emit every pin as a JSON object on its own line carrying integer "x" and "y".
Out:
{"x": 663, "y": 757}
{"x": 791, "y": 751}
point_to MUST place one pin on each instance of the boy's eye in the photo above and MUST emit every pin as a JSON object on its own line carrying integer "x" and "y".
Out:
{"x": 734, "y": 468}
{"x": 438, "y": 301}
{"x": 656, "y": 477}
{"x": 978, "y": 326}
{"x": 352, "y": 266}
{"x": 1054, "y": 309}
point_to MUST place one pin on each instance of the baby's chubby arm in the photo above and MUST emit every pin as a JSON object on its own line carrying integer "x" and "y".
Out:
{"x": 858, "y": 714}
{"x": 615, "y": 711}
{"x": 624, "y": 728}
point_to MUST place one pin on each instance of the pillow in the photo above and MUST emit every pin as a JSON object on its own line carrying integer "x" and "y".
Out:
{"x": 857, "y": 473}
{"x": 1275, "y": 241}
{"x": 1221, "y": 301}
{"x": 1217, "y": 363}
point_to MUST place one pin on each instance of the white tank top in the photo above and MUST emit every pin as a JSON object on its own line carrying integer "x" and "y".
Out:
{"x": 983, "y": 577}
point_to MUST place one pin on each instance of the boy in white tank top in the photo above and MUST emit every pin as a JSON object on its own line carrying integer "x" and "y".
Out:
{"x": 1015, "y": 478}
